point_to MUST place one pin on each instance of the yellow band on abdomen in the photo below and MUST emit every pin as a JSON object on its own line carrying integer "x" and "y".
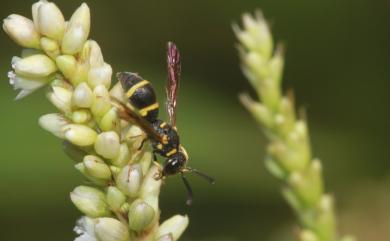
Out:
{"x": 133, "y": 88}
{"x": 144, "y": 112}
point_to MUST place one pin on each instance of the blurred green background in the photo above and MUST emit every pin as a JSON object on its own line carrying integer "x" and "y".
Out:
{"x": 338, "y": 58}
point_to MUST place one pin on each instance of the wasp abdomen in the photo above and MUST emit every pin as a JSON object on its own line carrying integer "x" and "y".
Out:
{"x": 141, "y": 95}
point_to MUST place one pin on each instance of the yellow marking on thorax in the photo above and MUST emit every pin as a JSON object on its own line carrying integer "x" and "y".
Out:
{"x": 133, "y": 88}
{"x": 159, "y": 146}
{"x": 164, "y": 124}
{"x": 144, "y": 111}
{"x": 165, "y": 139}
{"x": 171, "y": 152}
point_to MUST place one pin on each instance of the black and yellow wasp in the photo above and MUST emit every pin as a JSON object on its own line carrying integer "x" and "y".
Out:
{"x": 163, "y": 136}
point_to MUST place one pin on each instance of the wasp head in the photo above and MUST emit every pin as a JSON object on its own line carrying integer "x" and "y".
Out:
{"x": 176, "y": 164}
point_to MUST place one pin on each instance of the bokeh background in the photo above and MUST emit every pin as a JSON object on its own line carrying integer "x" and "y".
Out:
{"x": 338, "y": 59}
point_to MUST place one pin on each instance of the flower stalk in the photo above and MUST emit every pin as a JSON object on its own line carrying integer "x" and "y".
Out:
{"x": 289, "y": 156}
{"x": 122, "y": 202}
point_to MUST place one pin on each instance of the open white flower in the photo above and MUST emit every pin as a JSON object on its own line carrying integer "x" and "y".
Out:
{"x": 25, "y": 85}
{"x": 85, "y": 228}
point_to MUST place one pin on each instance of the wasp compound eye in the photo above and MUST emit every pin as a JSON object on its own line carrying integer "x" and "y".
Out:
{"x": 174, "y": 165}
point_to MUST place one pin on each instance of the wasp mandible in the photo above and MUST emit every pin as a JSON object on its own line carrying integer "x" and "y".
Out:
{"x": 142, "y": 109}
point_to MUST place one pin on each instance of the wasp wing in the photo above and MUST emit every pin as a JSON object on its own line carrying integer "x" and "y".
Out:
{"x": 132, "y": 116}
{"x": 174, "y": 71}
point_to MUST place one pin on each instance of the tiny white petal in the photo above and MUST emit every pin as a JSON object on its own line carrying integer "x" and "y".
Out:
{"x": 26, "y": 85}
{"x": 85, "y": 227}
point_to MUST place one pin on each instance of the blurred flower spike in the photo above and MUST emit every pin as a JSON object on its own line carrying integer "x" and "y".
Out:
{"x": 122, "y": 202}
{"x": 289, "y": 154}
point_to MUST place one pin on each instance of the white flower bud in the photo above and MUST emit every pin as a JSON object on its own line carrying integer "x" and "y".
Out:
{"x": 51, "y": 22}
{"x": 141, "y": 215}
{"x": 35, "y": 66}
{"x": 59, "y": 82}
{"x": 81, "y": 116}
{"x": 129, "y": 179}
{"x": 90, "y": 201}
{"x": 107, "y": 144}
{"x": 80, "y": 135}
{"x": 100, "y": 76}
{"x": 124, "y": 156}
{"x": 81, "y": 74}
{"x": 85, "y": 228}
{"x": 54, "y": 123}
{"x": 174, "y": 226}
{"x": 102, "y": 102}
{"x": 145, "y": 161}
{"x": 96, "y": 167}
{"x": 22, "y": 31}
{"x": 67, "y": 65}
{"x": 83, "y": 170}
{"x": 110, "y": 120}
{"x": 81, "y": 17}
{"x": 150, "y": 188}
{"x": 115, "y": 198}
{"x": 134, "y": 136}
{"x": 92, "y": 54}
{"x": 77, "y": 30}
{"x": 101, "y": 92}
{"x": 74, "y": 40}
{"x": 61, "y": 98}
{"x": 50, "y": 47}
{"x": 117, "y": 92}
{"x": 83, "y": 96}
{"x": 110, "y": 229}
{"x": 26, "y": 85}
{"x": 34, "y": 11}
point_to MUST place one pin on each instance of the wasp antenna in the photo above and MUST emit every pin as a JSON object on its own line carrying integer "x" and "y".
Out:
{"x": 189, "y": 190}
{"x": 201, "y": 174}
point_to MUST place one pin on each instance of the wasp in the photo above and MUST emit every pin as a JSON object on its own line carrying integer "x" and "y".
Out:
{"x": 142, "y": 108}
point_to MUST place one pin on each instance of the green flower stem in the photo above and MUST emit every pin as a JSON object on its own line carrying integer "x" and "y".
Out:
{"x": 289, "y": 156}
{"x": 122, "y": 204}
